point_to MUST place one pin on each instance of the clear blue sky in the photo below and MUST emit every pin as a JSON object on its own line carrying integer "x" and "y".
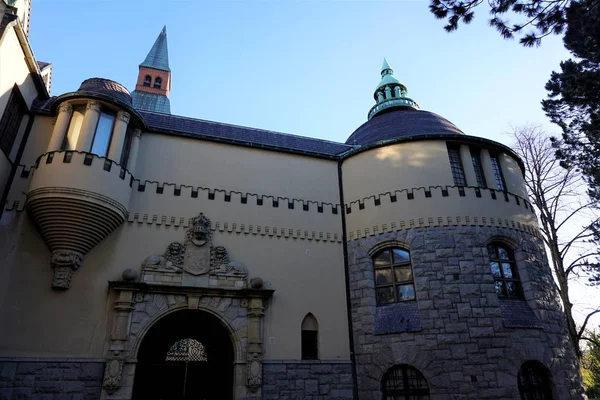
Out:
{"x": 305, "y": 67}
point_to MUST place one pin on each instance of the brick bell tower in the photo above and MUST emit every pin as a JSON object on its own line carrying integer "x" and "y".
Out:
{"x": 154, "y": 79}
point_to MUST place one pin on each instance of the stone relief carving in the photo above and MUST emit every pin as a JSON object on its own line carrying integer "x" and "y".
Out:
{"x": 254, "y": 371}
{"x": 199, "y": 233}
{"x": 113, "y": 372}
{"x": 171, "y": 260}
{"x": 64, "y": 263}
{"x": 197, "y": 256}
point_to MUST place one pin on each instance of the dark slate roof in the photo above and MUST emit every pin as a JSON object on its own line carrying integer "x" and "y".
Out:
{"x": 397, "y": 318}
{"x": 106, "y": 87}
{"x": 242, "y": 135}
{"x": 6, "y": 19}
{"x": 401, "y": 123}
{"x": 43, "y": 64}
{"x": 158, "y": 57}
{"x": 143, "y": 101}
{"x": 517, "y": 314}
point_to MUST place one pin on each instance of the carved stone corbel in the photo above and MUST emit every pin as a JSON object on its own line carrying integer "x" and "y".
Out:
{"x": 64, "y": 263}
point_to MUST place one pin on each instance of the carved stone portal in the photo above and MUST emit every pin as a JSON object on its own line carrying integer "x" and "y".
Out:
{"x": 64, "y": 263}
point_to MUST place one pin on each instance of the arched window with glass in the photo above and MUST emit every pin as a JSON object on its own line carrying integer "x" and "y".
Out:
{"x": 504, "y": 269}
{"x": 147, "y": 80}
{"x": 534, "y": 381}
{"x": 404, "y": 382}
{"x": 394, "y": 280}
{"x": 157, "y": 82}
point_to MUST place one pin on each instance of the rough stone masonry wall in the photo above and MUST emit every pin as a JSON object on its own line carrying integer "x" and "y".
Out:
{"x": 463, "y": 349}
{"x": 50, "y": 379}
{"x": 307, "y": 380}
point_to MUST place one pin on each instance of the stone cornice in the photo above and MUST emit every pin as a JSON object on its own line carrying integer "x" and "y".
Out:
{"x": 246, "y": 293}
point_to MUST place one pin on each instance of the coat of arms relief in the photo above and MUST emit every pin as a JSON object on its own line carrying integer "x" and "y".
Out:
{"x": 196, "y": 257}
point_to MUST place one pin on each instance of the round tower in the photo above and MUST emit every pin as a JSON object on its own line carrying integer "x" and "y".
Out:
{"x": 451, "y": 294}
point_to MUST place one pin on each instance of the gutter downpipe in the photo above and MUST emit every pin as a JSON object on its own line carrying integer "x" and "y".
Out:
{"x": 347, "y": 276}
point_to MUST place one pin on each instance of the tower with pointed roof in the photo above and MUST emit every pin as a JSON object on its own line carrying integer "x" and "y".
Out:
{"x": 154, "y": 79}
{"x": 390, "y": 93}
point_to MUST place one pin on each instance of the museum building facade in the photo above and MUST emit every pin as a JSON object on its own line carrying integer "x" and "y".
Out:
{"x": 146, "y": 255}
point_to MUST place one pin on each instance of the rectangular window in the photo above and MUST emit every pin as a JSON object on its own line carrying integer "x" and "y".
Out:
{"x": 458, "y": 173}
{"x": 11, "y": 121}
{"x": 103, "y": 134}
{"x": 498, "y": 173}
{"x": 72, "y": 135}
{"x": 478, "y": 168}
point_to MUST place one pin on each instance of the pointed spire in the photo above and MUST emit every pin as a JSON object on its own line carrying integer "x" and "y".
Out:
{"x": 158, "y": 57}
{"x": 385, "y": 68}
{"x": 390, "y": 93}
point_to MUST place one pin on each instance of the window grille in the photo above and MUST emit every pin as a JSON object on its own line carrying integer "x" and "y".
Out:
{"x": 394, "y": 280}
{"x": 403, "y": 382}
{"x": 458, "y": 173}
{"x": 186, "y": 350}
{"x": 504, "y": 269}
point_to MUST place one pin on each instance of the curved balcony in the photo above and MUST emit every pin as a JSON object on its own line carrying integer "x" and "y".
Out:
{"x": 76, "y": 199}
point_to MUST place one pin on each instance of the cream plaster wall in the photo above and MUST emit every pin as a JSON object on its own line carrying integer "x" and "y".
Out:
{"x": 167, "y": 158}
{"x": 14, "y": 70}
{"x": 416, "y": 165}
{"x": 398, "y": 166}
{"x": 308, "y": 276}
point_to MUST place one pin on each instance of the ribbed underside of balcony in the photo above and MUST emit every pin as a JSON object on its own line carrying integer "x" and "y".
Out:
{"x": 73, "y": 220}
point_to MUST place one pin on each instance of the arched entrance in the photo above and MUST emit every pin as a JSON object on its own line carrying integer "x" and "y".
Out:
{"x": 186, "y": 355}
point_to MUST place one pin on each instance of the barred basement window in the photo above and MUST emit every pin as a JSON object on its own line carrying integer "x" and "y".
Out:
{"x": 498, "y": 173}
{"x": 11, "y": 120}
{"x": 478, "y": 168}
{"x": 504, "y": 269}
{"x": 534, "y": 381}
{"x": 458, "y": 172}
{"x": 186, "y": 350}
{"x": 403, "y": 382}
{"x": 393, "y": 276}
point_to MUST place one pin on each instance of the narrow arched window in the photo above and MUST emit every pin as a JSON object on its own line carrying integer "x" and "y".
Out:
{"x": 534, "y": 381}
{"x": 394, "y": 280}
{"x": 310, "y": 338}
{"x": 157, "y": 82}
{"x": 504, "y": 269}
{"x": 186, "y": 350}
{"x": 147, "y": 80}
{"x": 403, "y": 382}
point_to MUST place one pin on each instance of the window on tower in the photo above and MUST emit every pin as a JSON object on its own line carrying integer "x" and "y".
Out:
{"x": 458, "y": 172}
{"x": 498, "y": 173}
{"x": 157, "y": 83}
{"x": 478, "y": 168}
{"x": 504, "y": 269}
{"x": 147, "y": 80}
{"x": 394, "y": 280}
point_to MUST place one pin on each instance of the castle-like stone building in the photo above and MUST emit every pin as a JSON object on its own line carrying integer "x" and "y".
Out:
{"x": 146, "y": 255}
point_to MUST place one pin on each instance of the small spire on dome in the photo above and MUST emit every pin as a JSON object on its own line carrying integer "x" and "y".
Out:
{"x": 386, "y": 67}
{"x": 390, "y": 93}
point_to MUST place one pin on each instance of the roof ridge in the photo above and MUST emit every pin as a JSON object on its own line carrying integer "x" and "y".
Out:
{"x": 248, "y": 127}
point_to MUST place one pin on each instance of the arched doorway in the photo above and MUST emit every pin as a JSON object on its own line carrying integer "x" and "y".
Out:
{"x": 186, "y": 355}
